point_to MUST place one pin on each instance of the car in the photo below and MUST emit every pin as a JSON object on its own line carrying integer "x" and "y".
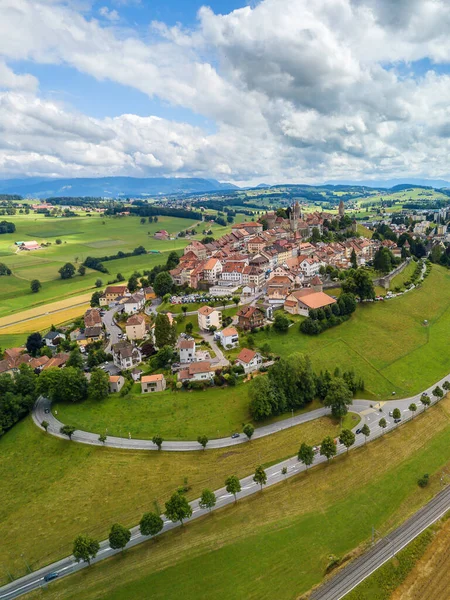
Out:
{"x": 358, "y": 430}
{"x": 120, "y": 335}
{"x": 397, "y": 420}
{"x": 316, "y": 449}
{"x": 391, "y": 414}
{"x": 235, "y": 435}
{"x": 46, "y": 410}
{"x": 51, "y": 576}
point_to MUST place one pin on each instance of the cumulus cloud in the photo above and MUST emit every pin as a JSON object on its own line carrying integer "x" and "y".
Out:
{"x": 298, "y": 90}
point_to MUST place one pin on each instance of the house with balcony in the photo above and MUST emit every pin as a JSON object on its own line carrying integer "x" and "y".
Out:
{"x": 229, "y": 337}
{"x": 209, "y": 317}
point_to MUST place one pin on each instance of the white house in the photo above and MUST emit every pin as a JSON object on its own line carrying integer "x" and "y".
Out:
{"x": 187, "y": 351}
{"x": 209, "y": 317}
{"x": 249, "y": 359}
{"x": 197, "y": 371}
{"x": 134, "y": 303}
{"x": 229, "y": 337}
{"x": 212, "y": 269}
{"x": 126, "y": 356}
{"x": 53, "y": 338}
{"x": 310, "y": 266}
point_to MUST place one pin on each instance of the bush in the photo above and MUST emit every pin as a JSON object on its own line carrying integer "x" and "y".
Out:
{"x": 423, "y": 481}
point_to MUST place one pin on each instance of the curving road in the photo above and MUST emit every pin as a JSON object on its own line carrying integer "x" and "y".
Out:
{"x": 274, "y": 475}
{"x": 369, "y": 412}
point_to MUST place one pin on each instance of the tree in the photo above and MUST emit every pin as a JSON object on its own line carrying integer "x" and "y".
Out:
{"x": 207, "y": 500}
{"x": 67, "y": 271}
{"x": 339, "y": 397}
{"x": 382, "y": 423}
{"x": 284, "y": 471}
{"x": 157, "y": 440}
{"x": 98, "y": 388}
{"x": 151, "y": 524}
{"x": 98, "y": 283}
{"x": 281, "y": 323}
{"x": 383, "y": 260}
{"x": 260, "y": 476}
{"x": 202, "y": 440}
{"x": 347, "y": 438}
{"x": 163, "y": 284}
{"x": 67, "y": 430}
{"x": 438, "y": 392}
{"x": 233, "y": 485}
{"x": 102, "y": 438}
{"x": 133, "y": 283}
{"x": 45, "y": 425}
{"x": 34, "y": 343}
{"x": 328, "y": 448}
{"x": 85, "y": 548}
{"x": 35, "y": 286}
{"x": 189, "y": 328}
{"x": 236, "y": 300}
{"x": 413, "y": 408}
{"x": 306, "y": 455}
{"x": 119, "y": 536}
{"x": 120, "y": 277}
{"x": 82, "y": 270}
{"x": 184, "y": 308}
{"x": 396, "y": 413}
{"x": 143, "y": 220}
{"x": 446, "y": 385}
{"x": 95, "y": 299}
{"x": 172, "y": 260}
{"x": 425, "y": 400}
{"x": 353, "y": 259}
{"x": 72, "y": 386}
{"x": 178, "y": 508}
{"x": 365, "y": 430}
{"x": 249, "y": 430}
{"x": 260, "y": 391}
{"x": 165, "y": 334}
{"x": 359, "y": 284}
{"x": 75, "y": 359}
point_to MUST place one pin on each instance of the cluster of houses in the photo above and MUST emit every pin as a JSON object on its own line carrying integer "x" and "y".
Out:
{"x": 274, "y": 261}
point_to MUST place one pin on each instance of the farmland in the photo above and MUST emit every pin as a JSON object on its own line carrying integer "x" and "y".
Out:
{"x": 278, "y": 542}
{"x": 64, "y": 479}
{"x": 80, "y": 237}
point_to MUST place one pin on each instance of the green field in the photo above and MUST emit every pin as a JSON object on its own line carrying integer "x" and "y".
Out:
{"x": 81, "y": 236}
{"x": 278, "y": 543}
{"x": 177, "y": 415}
{"x": 386, "y": 343}
{"x": 54, "y": 489}
{"x": 405, "y": 275}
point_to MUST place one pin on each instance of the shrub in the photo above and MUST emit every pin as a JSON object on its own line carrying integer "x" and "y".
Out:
{"x": 423, "y": 481}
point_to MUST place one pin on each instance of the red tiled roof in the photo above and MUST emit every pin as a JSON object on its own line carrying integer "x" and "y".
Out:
{"x": 246, "y": 355}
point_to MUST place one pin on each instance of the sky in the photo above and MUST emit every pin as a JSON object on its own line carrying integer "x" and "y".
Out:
{"x": 268, "y": 91}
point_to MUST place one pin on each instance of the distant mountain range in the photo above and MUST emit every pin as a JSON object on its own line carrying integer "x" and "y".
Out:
{"x": 390, "y": 183}
{"x": 109, "y": 187}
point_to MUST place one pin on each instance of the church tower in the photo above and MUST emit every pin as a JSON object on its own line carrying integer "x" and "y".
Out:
{"x": 341, "y": 209}
{"x": 295, "y": 216}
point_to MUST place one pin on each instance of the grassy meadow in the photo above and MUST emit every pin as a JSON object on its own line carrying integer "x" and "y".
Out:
{"x": 386, "y": 343}
{"x": 278, "y": 543}
{"x": 53, "y": 489}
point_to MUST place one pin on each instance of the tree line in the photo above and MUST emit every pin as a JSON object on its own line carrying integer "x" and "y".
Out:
{"x": 96, "y": 263}
{"x": 291, "y": 384}
{"x": 321, "y": 319}
{"x": 7, "y": 227}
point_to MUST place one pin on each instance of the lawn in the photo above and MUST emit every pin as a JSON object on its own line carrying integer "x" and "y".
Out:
{"x": 386, "y": 343}
{"x": 405, "y": 275}
{"x": 278, "y": 543}
{"x": 176, "y": 415}
{"x": 53, "y": 489}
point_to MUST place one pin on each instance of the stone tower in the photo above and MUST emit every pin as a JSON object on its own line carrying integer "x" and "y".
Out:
{"x": 341, "y": 209}
{"x": 295, "y": 216}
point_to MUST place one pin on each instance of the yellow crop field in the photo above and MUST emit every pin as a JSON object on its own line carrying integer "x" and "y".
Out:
{"x": 53, "y": 311}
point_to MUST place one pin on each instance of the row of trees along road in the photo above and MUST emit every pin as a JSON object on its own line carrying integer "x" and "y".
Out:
{"x": 177, "y": 510}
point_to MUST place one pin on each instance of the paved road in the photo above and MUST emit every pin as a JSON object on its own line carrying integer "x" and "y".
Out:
{"x": 358, "y": 570}
{"x": 274, "y": 476}
{"x": 113, "y": 329}
{"x": 370, "y": 413}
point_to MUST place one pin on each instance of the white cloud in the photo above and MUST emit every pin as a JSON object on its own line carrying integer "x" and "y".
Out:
{"x": 298, "y": 90}
{"x": 111, "y": 15}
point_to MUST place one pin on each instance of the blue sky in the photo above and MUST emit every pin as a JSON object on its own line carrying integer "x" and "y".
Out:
{"x": 283, "y": 90}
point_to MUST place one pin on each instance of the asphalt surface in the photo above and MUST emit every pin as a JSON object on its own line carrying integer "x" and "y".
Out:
{"x": 424, "y": 517}
{"x": 358, "y": 570}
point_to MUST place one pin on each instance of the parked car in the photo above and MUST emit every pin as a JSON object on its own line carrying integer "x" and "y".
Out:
{"x": 391, "y": 414}
{"x": 316, "y": 449}
{"x": 46, "y": 410}
{"x": 358, "y": 430}
{"x": 397, "y": 420}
